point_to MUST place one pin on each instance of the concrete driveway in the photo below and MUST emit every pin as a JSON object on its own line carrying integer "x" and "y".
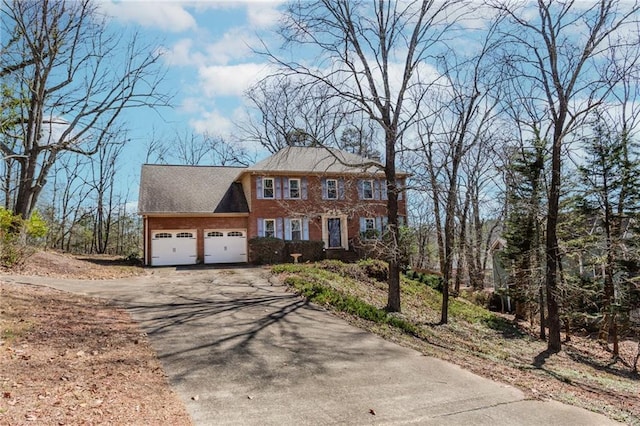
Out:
{"x": 240, "y": 350}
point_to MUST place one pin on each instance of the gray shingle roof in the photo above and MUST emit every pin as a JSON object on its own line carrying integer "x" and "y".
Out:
{"x": 298, "y": 159}
{"x": 191, "y": 189}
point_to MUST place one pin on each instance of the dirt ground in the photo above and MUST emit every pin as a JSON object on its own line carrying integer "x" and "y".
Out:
{"x": 66, "y": 359}
{"x": 85, "y": 267}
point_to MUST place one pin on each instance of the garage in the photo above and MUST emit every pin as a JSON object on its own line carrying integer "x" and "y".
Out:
{"x": 225, "y": 246}
{"x": 177, "y": 247}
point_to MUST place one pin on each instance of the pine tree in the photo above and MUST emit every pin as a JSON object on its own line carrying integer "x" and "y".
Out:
{"x": 610, "y": 178}
{"x": 523, "y": 227}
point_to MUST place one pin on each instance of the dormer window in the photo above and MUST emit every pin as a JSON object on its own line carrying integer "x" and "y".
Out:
{"x": 267, "y": 188}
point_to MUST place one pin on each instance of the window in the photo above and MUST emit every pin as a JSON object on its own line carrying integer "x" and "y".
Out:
{"x": 369, "y": 230}
{"x": 267, "y": 188}
{"x": 294, "y": 188}
{"x": 215, "y": 234}
{"x": 184, "y": 235}
{"x": 270, "y": 228}
{"x": 163, "y": 235}
{"x": 332, "y": 189}
{"x": 367, "y": 189}
{"x": 296, "y": 229}
{"x": 369, "y": 224}
{"x": 234, "y": 234}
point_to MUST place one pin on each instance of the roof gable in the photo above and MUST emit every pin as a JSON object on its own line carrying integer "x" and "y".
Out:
{"x": 298, "y": 159}
{"x": 191, "y": 189}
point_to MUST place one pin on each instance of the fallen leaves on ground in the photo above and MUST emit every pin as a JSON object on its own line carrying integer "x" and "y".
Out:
{"x": 67, "y": 359}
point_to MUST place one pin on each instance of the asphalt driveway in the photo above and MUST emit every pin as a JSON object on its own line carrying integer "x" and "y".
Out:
{"x": 241, "y": 350}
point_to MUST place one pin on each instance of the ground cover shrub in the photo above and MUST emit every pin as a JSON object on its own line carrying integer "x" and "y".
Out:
{"x": 374, "y": 268}
{"x": 432, "y": 280}
{"x": 321, "y": 294}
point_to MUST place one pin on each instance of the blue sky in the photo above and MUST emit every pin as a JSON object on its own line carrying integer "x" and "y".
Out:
{"x": 208, "y": 57}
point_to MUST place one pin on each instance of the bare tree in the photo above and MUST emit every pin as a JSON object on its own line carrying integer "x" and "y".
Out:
{"x": 369, "y": 59}
{"x": 104, "y": 168}
{"x": 68, "y": 194}
{"x": 198, "y": 149}
{"x": 75, "y": 80}
{"x": 456, "y": 119}
{"x": 291, "y": 114}
{"x": 558, "y": 49}
{"x": 190, "y": 148}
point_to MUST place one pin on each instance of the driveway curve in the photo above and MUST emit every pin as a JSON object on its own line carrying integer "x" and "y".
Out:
{"x": 241, "y": 350}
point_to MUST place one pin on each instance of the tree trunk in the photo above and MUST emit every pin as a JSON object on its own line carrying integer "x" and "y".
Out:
{"x": 393, "y": 298}
{"x": 552, "y": 251}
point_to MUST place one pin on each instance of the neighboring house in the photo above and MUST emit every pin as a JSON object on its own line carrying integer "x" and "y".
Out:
{"x": 207, "y": 214}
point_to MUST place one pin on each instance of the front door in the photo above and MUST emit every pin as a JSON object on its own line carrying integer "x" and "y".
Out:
{"x": 335, "y": 233}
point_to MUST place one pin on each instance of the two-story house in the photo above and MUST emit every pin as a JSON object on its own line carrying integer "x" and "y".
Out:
{"x": 207, "y": 214}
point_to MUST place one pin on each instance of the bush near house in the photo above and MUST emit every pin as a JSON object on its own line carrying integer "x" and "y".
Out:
{"x": 266, "y": 250}
{"x": 269, "y": 250}
{"x": 311, "y": 251}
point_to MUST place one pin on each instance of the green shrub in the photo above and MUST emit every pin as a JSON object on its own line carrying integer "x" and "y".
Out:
{"x": 266, "y": 250}
{"x": 312, "y": 251}
{"x": 432, "y": 280}
{"x": 14, "y": 235}
{"x": 376, "y": 269}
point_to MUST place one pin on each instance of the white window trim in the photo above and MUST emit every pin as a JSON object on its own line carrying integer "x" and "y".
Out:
{"x": 364, "y": 196}
{"x": 264, "y": 227}
{"x": 335, "y": 181}
{"x": 273, "y": 188}
{"x": 299, "y": 182}
{"x": 368, "y": 220}
{"x": 299, "y": 222}
{"x": 343, "y": 228}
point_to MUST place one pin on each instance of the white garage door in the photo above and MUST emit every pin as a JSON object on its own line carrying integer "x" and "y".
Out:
{"x": 225, "y": 246}
{"x": 173, "y": 247}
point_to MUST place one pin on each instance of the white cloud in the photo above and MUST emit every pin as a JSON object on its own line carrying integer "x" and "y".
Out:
{"x": 214, "y": 123}
{"x": 164, "y": 16}
{"x": 263, "y": 15}
{"x": 232, "y": 80}
{"x": 234, "y": 44}
{"x": 181, "y": 54}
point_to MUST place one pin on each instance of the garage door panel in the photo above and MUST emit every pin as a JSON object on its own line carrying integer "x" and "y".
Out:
{"x": 177, "y": 247}
{"x": 225, "y": 246}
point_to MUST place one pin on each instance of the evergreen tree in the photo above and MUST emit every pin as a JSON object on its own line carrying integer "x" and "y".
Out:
{"x": 523, "y": 234}
{"x": 610, "y": 178}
